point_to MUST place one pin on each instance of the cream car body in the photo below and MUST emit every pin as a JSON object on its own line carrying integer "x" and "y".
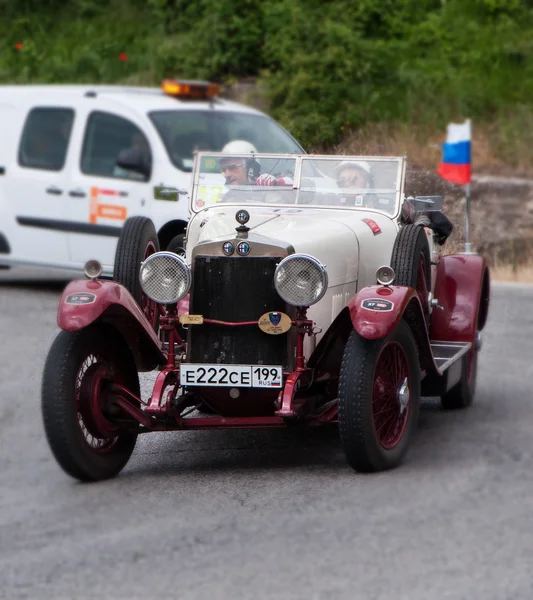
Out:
{"x": 351, "y": 241}
{"x": 339, "y": 239}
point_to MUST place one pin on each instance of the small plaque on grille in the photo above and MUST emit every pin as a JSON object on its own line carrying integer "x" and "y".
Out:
{"x": 191, "y": 319}
{"x": 275, "y": 323}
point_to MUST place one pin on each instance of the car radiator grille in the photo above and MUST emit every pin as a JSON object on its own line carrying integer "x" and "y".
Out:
{"x": 235, "y": 289}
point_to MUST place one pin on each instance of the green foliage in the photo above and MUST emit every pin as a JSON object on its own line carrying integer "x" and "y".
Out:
{"x": 328, "y": 65}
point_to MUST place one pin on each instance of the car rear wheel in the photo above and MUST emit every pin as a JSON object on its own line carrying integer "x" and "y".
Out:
{"x": 90, "y": 437}
{"x": 411, "y": 262}
{"x": 462, "y": 394}
{"x": 138, "y": 240}
{"x": 379, "y": 399}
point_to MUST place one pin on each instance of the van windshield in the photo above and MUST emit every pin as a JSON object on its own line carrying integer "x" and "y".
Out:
{"x": 185, "y": 131}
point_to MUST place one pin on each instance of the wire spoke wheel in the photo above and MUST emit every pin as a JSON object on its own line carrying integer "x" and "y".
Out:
{"x": 90, "y": 436}
{"x": 390, "y": 396}
{"x": 379, "y": 399}
{"x": 90, "y": 397}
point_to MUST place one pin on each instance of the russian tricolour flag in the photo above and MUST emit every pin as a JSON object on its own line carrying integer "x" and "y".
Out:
{"x": 456, "y": 162}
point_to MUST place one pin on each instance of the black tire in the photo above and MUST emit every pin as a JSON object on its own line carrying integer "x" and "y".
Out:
{"x": 361, "y": 372}
{"x": 462, "y": 394}
{"x": 410, "y": 248}
{"x": 67, "y": 430}
{"x": 177, "y": 245}
{"x": 137, "y": 240}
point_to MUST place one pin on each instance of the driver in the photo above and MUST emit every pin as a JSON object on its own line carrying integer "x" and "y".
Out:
{"x": 246, "y": 171}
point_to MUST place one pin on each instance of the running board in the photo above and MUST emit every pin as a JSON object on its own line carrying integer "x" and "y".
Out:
{"x": 447, "y": 353}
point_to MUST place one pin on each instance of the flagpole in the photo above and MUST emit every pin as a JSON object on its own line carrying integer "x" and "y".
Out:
{"x": 468, "y": 245}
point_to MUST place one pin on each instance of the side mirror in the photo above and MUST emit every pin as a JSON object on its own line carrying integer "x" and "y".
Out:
{"x": 134, "y": 159}
{"x": 425, "y": 203}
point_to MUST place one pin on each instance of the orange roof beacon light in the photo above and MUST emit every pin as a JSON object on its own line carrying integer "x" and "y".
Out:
{"x": 200, "y": 90}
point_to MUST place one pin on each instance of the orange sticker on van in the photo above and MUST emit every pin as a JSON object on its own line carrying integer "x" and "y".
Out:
{"x": 99, "y": 210}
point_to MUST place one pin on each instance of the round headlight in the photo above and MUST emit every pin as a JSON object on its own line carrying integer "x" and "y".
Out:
{"x": 300, "y": 280}
{"x": 165, "y": 277}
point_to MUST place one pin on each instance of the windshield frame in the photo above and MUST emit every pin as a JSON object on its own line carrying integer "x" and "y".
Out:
{"x": 299, "y": 158}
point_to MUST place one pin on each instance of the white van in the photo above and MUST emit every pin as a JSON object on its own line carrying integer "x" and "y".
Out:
{"x": 63, "y": 197}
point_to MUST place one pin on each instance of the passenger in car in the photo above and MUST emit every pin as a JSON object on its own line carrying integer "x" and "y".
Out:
{"x": 354, "y": 175}
{"x": 355, "y": 179}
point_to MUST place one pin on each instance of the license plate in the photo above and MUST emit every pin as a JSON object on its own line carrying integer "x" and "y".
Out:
{"x": 255, "y": 376}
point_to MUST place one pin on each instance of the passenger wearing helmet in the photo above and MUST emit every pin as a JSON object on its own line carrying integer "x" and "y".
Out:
{"x": 354, "y": 175}
{"x": 354, "y": 178}
{"x": 240, "y": 170}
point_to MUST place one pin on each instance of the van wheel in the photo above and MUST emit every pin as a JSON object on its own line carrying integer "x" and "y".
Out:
{"x": 177, "y": 245}
{"x": 138, "y": 240}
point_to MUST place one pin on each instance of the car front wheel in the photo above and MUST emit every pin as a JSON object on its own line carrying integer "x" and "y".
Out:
{"x": 379, "y": 399}
{"x": 90, "y": 436}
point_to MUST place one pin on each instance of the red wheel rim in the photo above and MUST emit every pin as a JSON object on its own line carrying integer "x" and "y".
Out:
{"x": 390, "y": 395}
{"x": 97, "y": 431}
{"x": 148, "y": 306}
{"x": 422, "y": 283}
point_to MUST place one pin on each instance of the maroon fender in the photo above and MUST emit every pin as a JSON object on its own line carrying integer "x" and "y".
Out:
{"x": 374, "y": 322}
{"x": 463, "y": 290}
{"x": 376, "y": 310}
{"x": 87, "y": 301}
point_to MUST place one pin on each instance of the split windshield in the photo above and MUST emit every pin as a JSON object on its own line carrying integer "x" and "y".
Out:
{"x": 185, "y": 131}
{"x": 353, "y": 182}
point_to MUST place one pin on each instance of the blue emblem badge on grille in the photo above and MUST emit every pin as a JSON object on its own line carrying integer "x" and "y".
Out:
{"x": 274, "y": 318}
{"x": 243, "y": 248}
{"x": 227, "y": 248}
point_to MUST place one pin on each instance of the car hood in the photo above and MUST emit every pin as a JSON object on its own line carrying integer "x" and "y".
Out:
{"x": 334, "y": 237}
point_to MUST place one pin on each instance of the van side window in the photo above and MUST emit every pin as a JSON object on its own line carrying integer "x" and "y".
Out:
{"x": 45, "y": 138}
{"x": 105, "y": 136}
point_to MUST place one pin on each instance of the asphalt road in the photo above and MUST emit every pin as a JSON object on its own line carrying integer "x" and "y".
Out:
{"x": 272, "y": 514}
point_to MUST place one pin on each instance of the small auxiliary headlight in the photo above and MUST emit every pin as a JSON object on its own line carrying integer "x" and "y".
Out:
{"x": 92, "y": 269}
{"x": 165, "y": 277}
{"x": 301, "y": 280}
{"x": 385, "y": 275}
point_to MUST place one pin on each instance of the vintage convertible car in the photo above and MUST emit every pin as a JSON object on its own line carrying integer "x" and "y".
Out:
{"x": 312, "y": 292}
